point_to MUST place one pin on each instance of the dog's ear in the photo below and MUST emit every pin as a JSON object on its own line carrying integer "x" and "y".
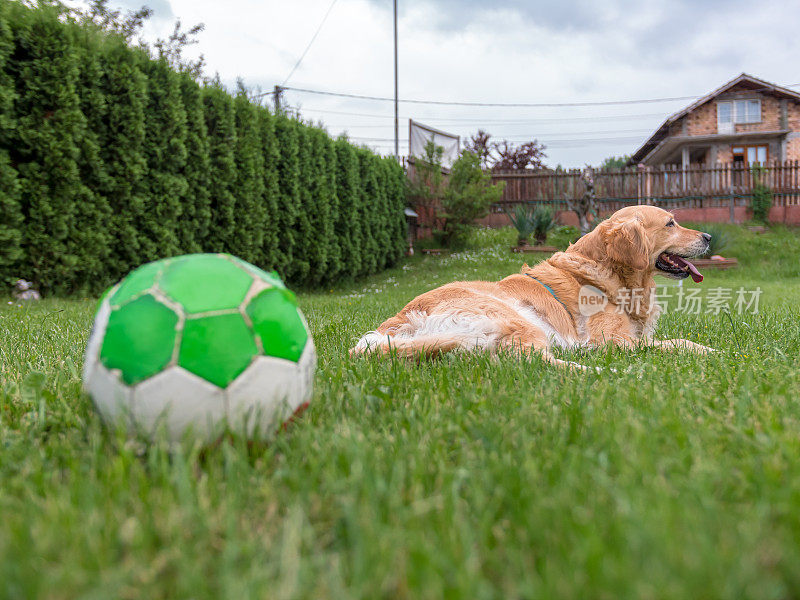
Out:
{"x": 626, "y": 243}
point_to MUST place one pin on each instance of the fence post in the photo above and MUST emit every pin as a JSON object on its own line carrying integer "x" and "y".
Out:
{"x": 731, "y": 199}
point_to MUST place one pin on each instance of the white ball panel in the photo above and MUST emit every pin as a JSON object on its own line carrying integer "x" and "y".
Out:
{"x": 265, "y": 394}
{"x": 180, "y": 400}
{"x": 307, "y": 366}
{"x": 110, "y": 395}
{"x": 92, "y": 356}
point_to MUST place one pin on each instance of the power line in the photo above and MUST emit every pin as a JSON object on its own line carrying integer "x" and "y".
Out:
{"x": 540, "y": 136}
{"x": 314, "y": 37}
{"x": 479, "y": 120}
{"x": 507, "y": 104}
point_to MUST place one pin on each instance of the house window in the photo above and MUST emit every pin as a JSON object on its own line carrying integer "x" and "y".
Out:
{"x": 738, "y": 111}
{"x": 747, "y": 155}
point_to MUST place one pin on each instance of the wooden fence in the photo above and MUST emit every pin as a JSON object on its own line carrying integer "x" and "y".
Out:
{"x": 672, "y": 186}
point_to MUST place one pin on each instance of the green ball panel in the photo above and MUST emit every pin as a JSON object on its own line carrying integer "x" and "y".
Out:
{"x": 205, "y": 282}
{"x": 217, "y": 348}
{"x": 277, "y": 323}
{"x": 139, "y": 339}
{"x": 136, "y": 282}
{"x": 271, "y": 278}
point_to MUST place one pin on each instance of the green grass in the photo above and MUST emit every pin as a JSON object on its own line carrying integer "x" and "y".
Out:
{"x": 461, "y": 478}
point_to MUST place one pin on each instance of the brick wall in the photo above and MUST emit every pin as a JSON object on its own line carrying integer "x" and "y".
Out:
{"x": 703, "y": 120}
{"x": 793, "y": 149}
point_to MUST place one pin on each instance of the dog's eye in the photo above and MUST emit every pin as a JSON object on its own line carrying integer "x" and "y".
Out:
{"x": 671, "y": 224}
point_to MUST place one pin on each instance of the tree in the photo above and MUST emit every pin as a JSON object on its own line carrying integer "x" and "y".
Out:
{"x": 469, "y": 195}
{"x": 615, "y": 162}
{"x": 304, "y": 234}
{"x": 93, "y": 211}
{"x": 509, "y": 156}
{"x": 270, "y": 190}
{"x": 122, "y": 151}
{"x": 45, "y": 69}
{"x": 288, "y": 205}
{"x": 165, "y": 149}
{"x": 10, "y": 210}
{"x": 427, "y": 184}
{"x": 480, "y": 145}
{"x": 197, "y": 207}
{"x": 98, "y": 14}
{"x": 251, "y": 214}
{"x": 221, "y": 126}
{"x": 369, "y": 224}
{"x": 505, "y": 155}
{"x": 396, "y": 198}
{"x": 348, "y": 192}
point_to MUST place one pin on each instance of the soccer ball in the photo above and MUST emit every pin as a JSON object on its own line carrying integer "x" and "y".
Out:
{"x": 199, "y": 342}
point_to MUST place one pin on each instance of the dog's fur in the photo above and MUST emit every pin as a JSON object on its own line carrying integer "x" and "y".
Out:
{"x": 520, "y": 315}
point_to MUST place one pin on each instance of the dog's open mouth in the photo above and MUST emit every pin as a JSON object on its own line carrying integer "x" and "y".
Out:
{"x": 677, "y": 266}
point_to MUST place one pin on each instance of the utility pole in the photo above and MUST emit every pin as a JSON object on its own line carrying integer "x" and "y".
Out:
{"x": 396, "y": 119}
{"x": 276, "y": 96}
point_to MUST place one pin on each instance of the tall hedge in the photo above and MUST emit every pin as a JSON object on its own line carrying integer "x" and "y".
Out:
{"x": 109, "y": 159}
{"x": 49, "y": 125}
{"x": 165, "y": 151}
{"x": 348, "y": 223}
{"x": 10, "y": 210}
{"x": 248, "y": 190}
{"x": 122, "y": 150}
{"x": 288, "y": 201}
{"x": 271, "y": 189}
{"x": 92, "y": 210}
{"x": 197, "y": 213}
{"x": 220, "y": 123}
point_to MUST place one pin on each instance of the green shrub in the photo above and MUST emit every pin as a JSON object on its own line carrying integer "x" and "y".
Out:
{"x": 563, "y": 235}
{"x": 760, "y": 203}
{"x": 532, "y": 220}
{"x": 761, "y": 199}
{"x": 468, "y": 196}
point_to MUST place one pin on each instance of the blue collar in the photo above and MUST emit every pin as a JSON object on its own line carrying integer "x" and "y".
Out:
{"x": 552, "y": 293}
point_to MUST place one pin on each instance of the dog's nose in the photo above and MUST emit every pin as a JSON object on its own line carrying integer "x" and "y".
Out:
{"x": 706, "y": 236}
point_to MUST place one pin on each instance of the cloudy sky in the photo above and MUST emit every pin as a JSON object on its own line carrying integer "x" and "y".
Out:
{"x": 505, "y": 52}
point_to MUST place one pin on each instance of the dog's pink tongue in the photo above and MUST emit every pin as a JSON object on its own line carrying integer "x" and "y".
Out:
{"x": 697, "y": 276}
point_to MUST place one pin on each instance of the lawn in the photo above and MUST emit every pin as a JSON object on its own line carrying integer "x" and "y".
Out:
{"x": 466, "y": 477}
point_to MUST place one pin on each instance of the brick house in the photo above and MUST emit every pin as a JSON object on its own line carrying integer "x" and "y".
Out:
{"x": 745, "y": 121}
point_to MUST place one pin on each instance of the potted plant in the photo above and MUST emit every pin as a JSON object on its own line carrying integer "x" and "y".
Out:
{"x": 542, "y": 220}
{"x": 532, "y": 222}
{"x": 522, "y": 220}
{"x": 720, "y": 240}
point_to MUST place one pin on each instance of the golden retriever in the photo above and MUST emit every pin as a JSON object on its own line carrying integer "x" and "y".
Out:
{"x": 599, "y": 291}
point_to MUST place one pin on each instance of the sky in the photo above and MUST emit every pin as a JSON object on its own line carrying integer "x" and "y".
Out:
{"x": 514, "y": 51}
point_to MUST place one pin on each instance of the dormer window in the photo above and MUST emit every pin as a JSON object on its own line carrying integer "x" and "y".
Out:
{"x": 738, "y": 111}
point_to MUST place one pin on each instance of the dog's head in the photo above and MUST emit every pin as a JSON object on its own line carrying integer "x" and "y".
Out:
{"x": 646, "y": 238}
{"x": 21, "y": 285}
